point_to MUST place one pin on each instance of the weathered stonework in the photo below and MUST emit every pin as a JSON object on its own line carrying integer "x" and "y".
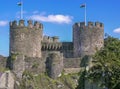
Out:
{"x": 87, "y": 39}
{"x": 38, "y": 54}
{"x": 35, "y": 65}
{"x": 2, "y": 62}
{"x": 55, "y": 64}
{"x": 49, "y": 39}
{"x": 18, "y": 65}
{"x": 26, "y": 40}
{"x": 21, "y": 64}
{"x": 6, "y": 80}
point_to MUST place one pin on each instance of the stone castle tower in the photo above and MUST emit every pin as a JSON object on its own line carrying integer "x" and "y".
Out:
{"x": 87, "y": 39}
{"x": 39, "y": 54}
{"x": 26, "y": 40}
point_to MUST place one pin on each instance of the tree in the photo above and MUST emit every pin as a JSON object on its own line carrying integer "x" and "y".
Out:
{"x": 106, "y": 65}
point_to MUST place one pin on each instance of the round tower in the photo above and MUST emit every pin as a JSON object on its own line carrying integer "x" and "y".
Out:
{"x": 55, "y": 64}
{"x": 87, "y": 39}
{"x": 26, "y": 40}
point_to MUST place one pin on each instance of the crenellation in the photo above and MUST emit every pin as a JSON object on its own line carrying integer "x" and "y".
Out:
{"x": 14, "y": 23}
{"x": 98, "y": 25}
{"x": 36, "y": 24}
{"x": 50, "y": 39}
{"x": 21, "y": 23}
{"x": 82, "y": 24}
{"x": 101, "y": 25}
{"x": 41, "y": 25}
{"x": 55, "y": 39}
{"x": 51, "y": 46}
{"x": 10, "y": 23}
{"x": 90, "y": 24}
{"x": 76, "y": 25}
{"x": 30, "y": 24}
{"x": 28, "y": 40}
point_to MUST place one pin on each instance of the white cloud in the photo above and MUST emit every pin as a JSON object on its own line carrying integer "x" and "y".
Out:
{"x": 40, "y": 13}
{"x": 117, "y": 30}
{"x": 53, "y": 18}
{"x": 3, "y": 23}
{"x": 35, "y": 12}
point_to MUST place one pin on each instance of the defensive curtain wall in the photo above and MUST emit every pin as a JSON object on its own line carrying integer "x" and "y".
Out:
{"x": 33, "y": 51}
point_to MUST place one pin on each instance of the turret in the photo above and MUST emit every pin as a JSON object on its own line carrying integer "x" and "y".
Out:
{"x": 87, "y": 39}
{"x": 55, "y": 64}
{"x": 26, "y": 39}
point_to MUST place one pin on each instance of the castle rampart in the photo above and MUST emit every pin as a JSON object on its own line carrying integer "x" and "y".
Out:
{"x": 26, "y": 39}
{"x": 52, "y": 46}
{"x": 30, "y": 24}
{"x": 87, "y": 39}
{"x": 48, "y": 39}
{"x": 89, "y": 24}
{"x": 47, "y": 54}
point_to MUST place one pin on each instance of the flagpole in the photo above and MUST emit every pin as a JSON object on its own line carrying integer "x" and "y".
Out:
{"x": 85, "y": 14}
{"x": 21, "y": 12}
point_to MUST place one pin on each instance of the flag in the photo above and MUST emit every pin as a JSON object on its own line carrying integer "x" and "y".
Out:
{"x": 82, "y": 5}
{"x": 19, "y": 4}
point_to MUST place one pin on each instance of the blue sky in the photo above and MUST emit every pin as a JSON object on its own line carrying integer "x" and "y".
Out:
{"x": 58, "y": 16}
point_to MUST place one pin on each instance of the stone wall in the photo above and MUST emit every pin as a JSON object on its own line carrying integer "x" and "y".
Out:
{"x": 35, "y": 65}
{"x": 6, "y": 80}
{"x": 67, "y": 49}
{"x": 49, "y": 39}
{"x": 18, "y": 65}
{"x": 54, "y": 64}
{"x": 22, "y": 63}
{"x": 2, "y": 61}
{"x": 87, "y": 39}
{"x": 38, "y": 53}
{"x": 71, "y": 70}
{"x": 71, "y": 62}
{"x": 64, "y": 47}
{"x": 26, "y": 40}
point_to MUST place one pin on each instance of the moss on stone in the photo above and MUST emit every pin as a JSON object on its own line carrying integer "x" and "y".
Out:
{"x": 35, "y": 65}
{"x": 2, "y": 69}
{"x": 42, "y": 81}
{"x": 13, "y": 56}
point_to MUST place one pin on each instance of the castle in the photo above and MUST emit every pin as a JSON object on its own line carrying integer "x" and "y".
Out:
{"x": 30, "y": 50}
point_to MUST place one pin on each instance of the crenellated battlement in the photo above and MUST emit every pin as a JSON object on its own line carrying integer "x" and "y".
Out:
{"x": 89, "y": 25}
{"x": 48, "y": 53}
{"x": 50, "y": 39}
{"x": 30, "y": 24}
{"x": 51, "y": 46}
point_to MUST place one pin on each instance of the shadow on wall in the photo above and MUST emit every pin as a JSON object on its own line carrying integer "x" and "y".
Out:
{"x": 85, "y": 61}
